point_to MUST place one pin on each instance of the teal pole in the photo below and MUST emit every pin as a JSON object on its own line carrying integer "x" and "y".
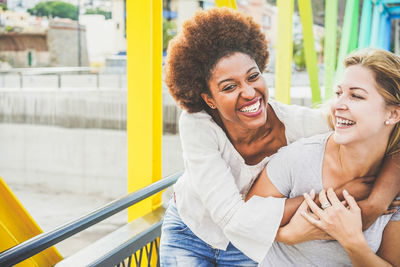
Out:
{"x": 375, "y": 25}
{"x": 365, "y": 24}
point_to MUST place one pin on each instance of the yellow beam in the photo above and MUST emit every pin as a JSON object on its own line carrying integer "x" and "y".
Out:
{"x": 227, "y": 3}
{"x": 144, "y": 120}
{"x": 309, "y": 49}
{"x": 284, "y": 51}
{"x": 17, "y": 225}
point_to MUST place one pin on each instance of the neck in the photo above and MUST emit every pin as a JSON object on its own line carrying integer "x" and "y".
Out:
{"x": 360, "y": 159}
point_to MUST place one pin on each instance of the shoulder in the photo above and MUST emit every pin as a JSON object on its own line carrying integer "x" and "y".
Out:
{"x": 199, "y": 128}
{"x": 196, "y": 121}
{"x": 302, "y": 149}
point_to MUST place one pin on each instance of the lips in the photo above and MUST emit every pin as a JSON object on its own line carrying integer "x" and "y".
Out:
{"x": 252, "y": 102}
{"x": 252, "y": 108}
{"x": 343, "y": 122}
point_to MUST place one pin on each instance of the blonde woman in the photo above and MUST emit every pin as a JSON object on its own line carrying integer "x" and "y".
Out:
{"x": 366, "y": 116}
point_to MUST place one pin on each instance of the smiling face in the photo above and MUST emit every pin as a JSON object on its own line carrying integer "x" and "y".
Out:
{"x": 238, "y": 92}
{"x": 359, "y": 112}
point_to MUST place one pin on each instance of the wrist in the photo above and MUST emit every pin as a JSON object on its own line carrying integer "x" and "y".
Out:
{"x": 355, "y": 243}
{"x": 372, "y": 207}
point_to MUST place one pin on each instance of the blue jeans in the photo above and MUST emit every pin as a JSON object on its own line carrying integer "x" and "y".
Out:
{"x": 179, "y": 246}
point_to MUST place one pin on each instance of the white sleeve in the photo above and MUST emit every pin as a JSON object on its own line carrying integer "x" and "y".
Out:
{"x": 302, "y": 121}
{"x": 250, "y": 226}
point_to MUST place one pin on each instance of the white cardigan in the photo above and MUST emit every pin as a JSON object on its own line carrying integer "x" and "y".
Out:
{"x": 209, "y": 195}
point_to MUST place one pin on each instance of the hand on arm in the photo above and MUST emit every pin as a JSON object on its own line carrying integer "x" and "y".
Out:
{"x": 385, "y": 189}
{"x": 344, "y": 225}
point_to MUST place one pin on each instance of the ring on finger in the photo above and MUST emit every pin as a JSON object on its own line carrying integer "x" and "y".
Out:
{"x": 325, "y": 205}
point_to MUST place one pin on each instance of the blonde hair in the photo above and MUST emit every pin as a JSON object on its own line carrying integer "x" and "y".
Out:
{"x": 386, "y": 67}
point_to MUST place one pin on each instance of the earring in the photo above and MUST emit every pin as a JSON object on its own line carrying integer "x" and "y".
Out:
{"x": 387, "y": 122}
{"x": 212, "y": 106}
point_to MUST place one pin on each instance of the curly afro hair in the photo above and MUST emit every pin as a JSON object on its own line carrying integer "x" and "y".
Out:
{"x": 205, "y": 39}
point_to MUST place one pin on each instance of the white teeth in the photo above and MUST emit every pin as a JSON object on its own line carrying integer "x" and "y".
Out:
{"x": 341, "y": 122}
{"x": 252, "y": 108}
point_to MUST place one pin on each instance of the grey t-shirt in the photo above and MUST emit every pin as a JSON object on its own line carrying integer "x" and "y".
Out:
{"x": 297, "y": 169}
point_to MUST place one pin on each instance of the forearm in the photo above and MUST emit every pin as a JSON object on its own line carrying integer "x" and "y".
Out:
{"x": 361, "y": 255}
{"x": 386, "y": 188}
{"x": 291, "y": 206}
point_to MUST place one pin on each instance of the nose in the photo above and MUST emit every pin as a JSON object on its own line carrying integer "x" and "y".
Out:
{"x": 248, "y": 91}
{"x": 340, "y": 103}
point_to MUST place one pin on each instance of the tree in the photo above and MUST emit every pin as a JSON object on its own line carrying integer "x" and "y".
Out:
{"x": 169, "y": 31}
{"x": 3, "y": 7}
{"x": 54, "y": 9}
{"x": 106, "y": 14}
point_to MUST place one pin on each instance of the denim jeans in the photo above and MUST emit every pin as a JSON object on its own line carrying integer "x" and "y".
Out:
{"x": 179, "y": 246}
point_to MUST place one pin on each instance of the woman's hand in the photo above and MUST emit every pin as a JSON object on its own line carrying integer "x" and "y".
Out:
{"x": 343, "y": 224}
{"x": 299, "y": 230}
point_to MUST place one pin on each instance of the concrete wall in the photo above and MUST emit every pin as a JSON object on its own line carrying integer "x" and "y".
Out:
{"x": 71, "y": 109}
{"x": 62, "y": 39}
{"x": 19, "y": 59}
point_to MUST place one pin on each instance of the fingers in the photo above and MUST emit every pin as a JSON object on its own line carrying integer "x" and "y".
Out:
{"x": 311, "y": 219}
{"x": 390, "y": 211}
{"x": 323, "y": 199}
{"x": 314, "y": 207}
{"x": 333, "y": 198}
{"x": 395, "y": 203}
{"x": 312, "y": 194}
{"x": 350, "y": 200}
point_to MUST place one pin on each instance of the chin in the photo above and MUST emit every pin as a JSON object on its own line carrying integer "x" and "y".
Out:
{"x": 340, "y": 139}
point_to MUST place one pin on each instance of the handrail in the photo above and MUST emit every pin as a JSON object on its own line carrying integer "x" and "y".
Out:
{"x": 49, "y": 70}
{"x": 43, "y": 241}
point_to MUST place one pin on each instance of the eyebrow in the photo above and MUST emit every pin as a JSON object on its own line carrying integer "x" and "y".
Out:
{"x": 230, "y": 79}
{"x": 355, "y": 88}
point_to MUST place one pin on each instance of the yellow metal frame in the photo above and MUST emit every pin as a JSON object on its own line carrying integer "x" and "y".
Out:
{"x": 16, "y": 226}
{"x": 144, "y": 125}
{"x": 226, "y": 3}
{"x": 284, "y": 51}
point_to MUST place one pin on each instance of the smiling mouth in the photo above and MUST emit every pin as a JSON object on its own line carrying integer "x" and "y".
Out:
{"x": 341, "y": 122}
{"x": 251, "y": 108}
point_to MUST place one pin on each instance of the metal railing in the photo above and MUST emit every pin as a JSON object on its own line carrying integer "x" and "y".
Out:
{"x": 45, "y": 240}
{"x": 64, "y": 72}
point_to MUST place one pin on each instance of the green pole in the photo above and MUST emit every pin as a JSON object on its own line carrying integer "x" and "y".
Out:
{"x": 349, "y": 34}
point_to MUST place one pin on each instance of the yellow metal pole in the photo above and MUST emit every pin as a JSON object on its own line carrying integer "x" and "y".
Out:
{"x": 284, "y": 51}
{"x": 144, "y": 22}
{"x": 157, "y": 97}
{"x": 227, "y": 3}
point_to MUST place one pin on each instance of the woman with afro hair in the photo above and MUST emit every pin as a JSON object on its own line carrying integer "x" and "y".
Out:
{"x": 229, "y": 129}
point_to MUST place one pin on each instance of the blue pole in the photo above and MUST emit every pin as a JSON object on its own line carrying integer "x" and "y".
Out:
{"x": 375, "y": 25}
{"x": 387, "y": 33}
{"x": 383, "y": 33}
